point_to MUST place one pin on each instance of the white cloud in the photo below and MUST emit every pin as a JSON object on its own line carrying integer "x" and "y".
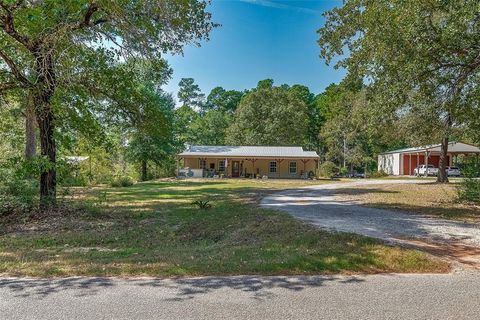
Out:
{"x": 284, "y": 6}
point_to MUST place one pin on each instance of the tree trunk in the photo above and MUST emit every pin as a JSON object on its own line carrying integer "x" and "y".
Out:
{"x": 48, "y": 177}
{"x": 144, "y": 170}
{"x": 442, "y": 167}
{"x": 44, "y": 90}
{"x": 30, "y": 136}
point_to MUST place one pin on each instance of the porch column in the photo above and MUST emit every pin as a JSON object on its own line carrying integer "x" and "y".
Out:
{"x": 177, "y": 171}
{"x": 252, "y": 160}
{"x": 418, "y": 160}
{"x": 426, "y": 163}
{"x": 304, "y": 163}
{"x": 410, "y": 164}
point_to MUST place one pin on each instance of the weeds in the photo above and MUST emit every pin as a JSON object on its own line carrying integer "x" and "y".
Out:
{"x": 202, "y": 204}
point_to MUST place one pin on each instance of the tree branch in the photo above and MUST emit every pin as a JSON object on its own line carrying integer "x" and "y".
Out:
{"x": 8, "y": 23}
{"x": 87, "y": 18}
{"x": 85, "y": 22}
{"x": 13, "y": 68}
{"x": 8, "y": 86}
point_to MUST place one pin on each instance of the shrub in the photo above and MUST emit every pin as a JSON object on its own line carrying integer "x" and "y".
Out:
{"x": 328, "y": 169}
{"x": 378, "y": 174}
{"x": 469, "y": 190}
{"x": 18, "y": 190}
{"x": 18, "y": 195}
{"x": 123, "y": 181}
{"x": 202, "y": 204}
{"x": 343, "y": 171}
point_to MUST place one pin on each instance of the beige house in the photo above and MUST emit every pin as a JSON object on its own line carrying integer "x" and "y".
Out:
{"x": 247, "y": 162}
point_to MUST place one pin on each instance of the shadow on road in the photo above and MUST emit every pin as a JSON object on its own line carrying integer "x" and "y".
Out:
{"x": 180, "y": 289}
{"x": 22, "y": 287}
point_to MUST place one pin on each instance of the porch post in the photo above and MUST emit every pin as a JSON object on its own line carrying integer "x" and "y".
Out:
{"x": 426, "y": 162}
{"x": 304, "y": 163}
{"x": 177, "y": 171}
{"x": 409, "y": 164}
{"x": 418, "y": 160}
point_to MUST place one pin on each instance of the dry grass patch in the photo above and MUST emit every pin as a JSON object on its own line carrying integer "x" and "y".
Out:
{"x": 423, "y": 198}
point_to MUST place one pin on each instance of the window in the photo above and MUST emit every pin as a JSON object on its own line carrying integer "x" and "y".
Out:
{"x": 221, "y": 165}
{"x": 292, "y": 167}
{"x": 202, "y": 164}
{"x": 273, "y": 167}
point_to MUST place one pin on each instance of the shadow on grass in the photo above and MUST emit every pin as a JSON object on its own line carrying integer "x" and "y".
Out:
{"x": 449, "y": 212}
{"x": 179, "y": 289}
{"x": 358, "y": 191}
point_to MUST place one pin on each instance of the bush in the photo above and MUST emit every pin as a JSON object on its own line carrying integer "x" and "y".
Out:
{"x": 18, "y": 191}
{"x": 123, "y": 181}
{"x": 378, "y": 174}
{"x": 328, "y": 169}
{"x": 18, "y": 195}
{"x": 469, "y": 190}
{"x": 344, "y": 171}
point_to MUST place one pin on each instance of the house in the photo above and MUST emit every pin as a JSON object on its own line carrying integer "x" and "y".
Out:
{"x": 404, "y": 161}
{"x": 247, "y": 161}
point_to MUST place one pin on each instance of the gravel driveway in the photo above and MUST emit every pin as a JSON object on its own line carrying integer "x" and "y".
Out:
{"x": 319, "y": 206}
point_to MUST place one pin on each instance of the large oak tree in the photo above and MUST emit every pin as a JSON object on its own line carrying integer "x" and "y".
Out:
{"x": 63, "y": 52}
{"x": 269, "y": 115}
{"x": 420, "y": 59}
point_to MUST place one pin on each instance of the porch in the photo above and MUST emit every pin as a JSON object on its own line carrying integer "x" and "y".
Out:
{"x": 290, "y": 168}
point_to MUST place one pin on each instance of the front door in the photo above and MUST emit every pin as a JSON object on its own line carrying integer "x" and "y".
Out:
{"x": 235, "y": 169}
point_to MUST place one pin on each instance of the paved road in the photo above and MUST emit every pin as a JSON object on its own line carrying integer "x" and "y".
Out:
{"x": 453, "y": 296}
{"x": 319, "y": 206}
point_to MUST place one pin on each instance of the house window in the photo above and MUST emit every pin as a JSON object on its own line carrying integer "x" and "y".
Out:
{"x": 221, "y": 165}
{"x": 292, "y": 167}
{"x": 202, "y": 164}
{"x": 273, "y": 167}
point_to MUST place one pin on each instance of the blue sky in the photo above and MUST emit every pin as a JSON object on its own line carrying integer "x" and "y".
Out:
{"x": 259, "y": 39}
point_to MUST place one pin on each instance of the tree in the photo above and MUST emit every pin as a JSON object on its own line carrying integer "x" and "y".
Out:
{"x": 185, "y": 116}
{"x": 265, "y": 84}
{"x": 269, "y": 116}
{"x": 210, "y": 128}
{"x": 223, "y": 100}
{"x": 152, "y": 139}
{"x": 189, "y": 93}
{"x": 12, "y": 134}
{"x": 419, "y": 58}
{"x": 314, "y": 116}
{"x": 50, "y": 47}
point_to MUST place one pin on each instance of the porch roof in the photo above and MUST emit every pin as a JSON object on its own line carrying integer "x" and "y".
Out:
{"x": 453, "y": 147}
{"x": 248, "y": 151}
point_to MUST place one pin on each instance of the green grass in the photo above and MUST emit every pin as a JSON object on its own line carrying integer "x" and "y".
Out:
{"x": 152, "y": 229}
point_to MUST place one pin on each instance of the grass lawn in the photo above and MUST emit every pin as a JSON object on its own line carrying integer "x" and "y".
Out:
{"x": 429, "y": 198}
{"x": 152, "y": 229}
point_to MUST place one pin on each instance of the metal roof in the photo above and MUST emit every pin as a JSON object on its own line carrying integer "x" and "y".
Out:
{"x": 454, "y": 147}
{"x": 248, "y": 151}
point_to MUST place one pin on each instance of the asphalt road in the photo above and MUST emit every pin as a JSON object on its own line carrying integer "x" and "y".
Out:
{"x": 451, "y": 296}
